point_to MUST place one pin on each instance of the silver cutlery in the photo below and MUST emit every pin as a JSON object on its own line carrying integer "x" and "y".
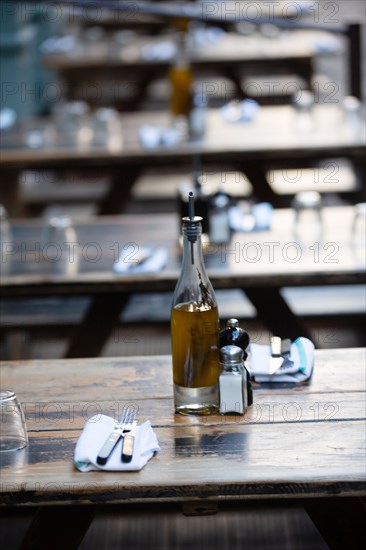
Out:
{"x": 276, "y": 359}
{"x": 286, "y": 351}
{"x": 124, "y": 425}
{"x": 129, "y": 438}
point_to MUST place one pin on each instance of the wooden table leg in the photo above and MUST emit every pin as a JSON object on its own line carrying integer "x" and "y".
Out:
{"x": 59, "y": 528}
{"x": 101, "y": 318}
{"x": 261, "y": 187}
{"x": 119, "y": 193}
{"x": 10, "y": 193}
{"x": 275, "y": 313}
{"x": 340, "y": 521}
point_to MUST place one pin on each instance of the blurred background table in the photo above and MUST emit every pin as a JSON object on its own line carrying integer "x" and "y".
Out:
{"x": 261, "y": 264}
{"x": 121, "y": 75}
{"x": 271, "y": 140}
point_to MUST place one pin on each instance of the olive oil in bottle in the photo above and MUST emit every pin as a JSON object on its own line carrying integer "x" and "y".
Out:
{"x": 194, "y": 328}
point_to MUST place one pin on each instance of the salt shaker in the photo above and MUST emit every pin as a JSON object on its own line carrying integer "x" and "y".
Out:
{"x": 233, "y": 381}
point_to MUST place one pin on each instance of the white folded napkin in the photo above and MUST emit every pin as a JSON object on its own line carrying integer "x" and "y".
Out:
{"x": 96, "y": 431}
{"x": 302, "y": 355}
{"x": 156, "y": 259}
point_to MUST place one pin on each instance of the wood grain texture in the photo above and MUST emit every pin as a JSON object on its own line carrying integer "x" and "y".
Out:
{"x": 223, "y": 142}
{"x": 267, "y": 259}
{"x": 295, "y": 442}
{"x": 230, "y": 50}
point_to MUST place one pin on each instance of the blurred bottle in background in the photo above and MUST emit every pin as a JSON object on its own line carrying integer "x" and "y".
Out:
{"x": 181, "y": 79}
{"x": 219, "y": 226}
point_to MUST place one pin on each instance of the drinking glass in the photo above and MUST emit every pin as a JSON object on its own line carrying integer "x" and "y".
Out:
{"x": 73, "y": 122}
{"x": 308, "y": 223}
{"x": 354, "y": 116}
{"x": 304, "y": 104}
{"x": 13, "y": 432}
{"x": 60, "y": 248}
{"x": 359, "y": 225}
{"x": 107, "y": 128}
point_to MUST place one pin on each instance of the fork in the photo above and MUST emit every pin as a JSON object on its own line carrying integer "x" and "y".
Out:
{"x": 123, "y": 425}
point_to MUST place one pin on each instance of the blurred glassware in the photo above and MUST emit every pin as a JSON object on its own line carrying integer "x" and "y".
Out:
{"x": 198, "y": 114}
{"x": 246, "y": 217}
{"x": 353, "y": 115}
{"x": 219, "y": 227}
{"x": 308, "y": 222}
{"x": 240, "y": 111}
{"x": 158, "y": 51}
{"x": 74, "y": 123}
{"x": 245, "y": 28}
{"x": 94, "y": 34}
{"x": 13, "y": 431}
{"x": 180, "y": 81}
{"x": 120, "y": 39}
{"x": 67, "y": 44}
{"x": 268, "y": 38}
{"x": 107, "y": 128}
{"x": 269, "y": 31}
{"x": 8, "y": 118}
{"x": 304, "y": 103}
{"x": 38, "y": 133}
{"x": 6, "y": 240}
{"x": 150, "y": 135}
{"x": 60, "y": 248}
{"x": 358, "y": 230}
{"x": 203, "y": 36}
{"x": 94, "y": 42}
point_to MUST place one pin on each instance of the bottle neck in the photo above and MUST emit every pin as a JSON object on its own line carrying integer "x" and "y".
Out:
{"x": 192, "y": 246}
{"x": 193, "y": 277}
{"x": 181, "y": 56}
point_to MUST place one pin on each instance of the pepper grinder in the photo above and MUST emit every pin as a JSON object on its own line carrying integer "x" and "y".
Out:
{"x": 233, "y": 334}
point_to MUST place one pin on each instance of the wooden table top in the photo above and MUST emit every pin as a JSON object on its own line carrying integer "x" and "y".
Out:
{"x": 302, "y": 441}
{"x": 264, "y": 259}
{"x": 134, "y": 18}
{"x": 272, "y": 135}
{"x": 228, "y": 50}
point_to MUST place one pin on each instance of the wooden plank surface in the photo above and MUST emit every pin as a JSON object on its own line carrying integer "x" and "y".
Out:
{"x": 260, "y": 263}
{"x": 226, "y": 51}
{"x": 252, "y": 148}
{"x": 265, "y": 259}
{"x": 298, "y": 441}
{"x": 223, "y": 141}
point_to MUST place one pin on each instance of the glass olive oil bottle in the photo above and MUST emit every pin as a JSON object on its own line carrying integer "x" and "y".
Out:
{"x": 194, "y": 328}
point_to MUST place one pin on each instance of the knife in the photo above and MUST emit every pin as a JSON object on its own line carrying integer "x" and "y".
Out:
{"x": 288, "y": 365}
{"x": 114, "y": 437}
{"x": 129, "y": 436}
{"x": 276, "y": 359}
{"x": 128, "y": 443}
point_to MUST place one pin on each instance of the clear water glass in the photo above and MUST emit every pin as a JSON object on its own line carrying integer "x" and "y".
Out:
{"x": 60, "y": 247}
{"x": 13, "y": 433}
{"x": 308, "y": 217}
